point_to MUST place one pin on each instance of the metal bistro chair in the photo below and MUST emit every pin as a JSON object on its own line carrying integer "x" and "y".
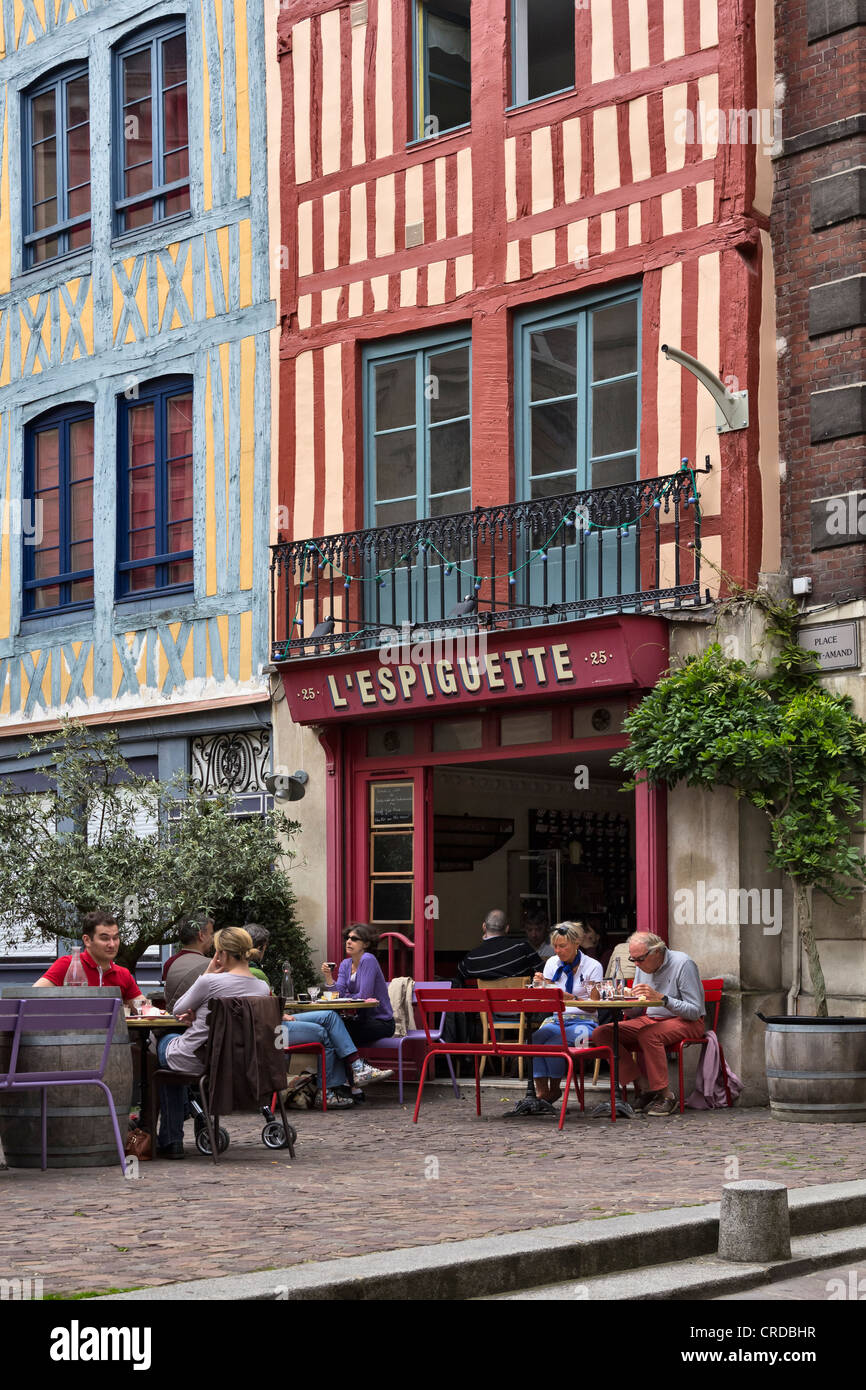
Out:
{"x": 712, "y": 995}
{"x": 52, "y": 1015}
{"x": 511, "y": 1025}
{"x": 383, "y": 1047}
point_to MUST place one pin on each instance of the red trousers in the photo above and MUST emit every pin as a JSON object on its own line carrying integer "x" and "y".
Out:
{"x": 649, "y": 1038}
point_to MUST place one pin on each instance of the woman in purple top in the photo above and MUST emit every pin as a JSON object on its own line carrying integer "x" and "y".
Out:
{"x": 360, "y": 977}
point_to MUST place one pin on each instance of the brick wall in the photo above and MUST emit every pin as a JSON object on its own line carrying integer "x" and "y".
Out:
{"x": 818, "y": 223}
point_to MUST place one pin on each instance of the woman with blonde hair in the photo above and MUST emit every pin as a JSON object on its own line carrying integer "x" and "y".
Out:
{"x": 228, "y": 974}
{"x": 572, "y": 972}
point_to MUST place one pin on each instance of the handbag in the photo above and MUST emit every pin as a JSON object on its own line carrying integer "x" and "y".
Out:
{"x": 138, "y": 1144}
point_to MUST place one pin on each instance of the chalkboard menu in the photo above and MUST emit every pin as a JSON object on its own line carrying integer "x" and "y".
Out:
{"x": 391, "y": 803}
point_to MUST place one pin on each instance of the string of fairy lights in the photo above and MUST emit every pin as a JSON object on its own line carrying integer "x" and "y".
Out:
{"x": 424, "y": 544}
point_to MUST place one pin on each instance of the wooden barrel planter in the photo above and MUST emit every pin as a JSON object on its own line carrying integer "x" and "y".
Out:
{"x": 816, "y": 1069}
{"x": 80, "y": 1134}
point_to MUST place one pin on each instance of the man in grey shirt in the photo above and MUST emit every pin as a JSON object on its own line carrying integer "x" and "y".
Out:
{"x": 670, "y": 982}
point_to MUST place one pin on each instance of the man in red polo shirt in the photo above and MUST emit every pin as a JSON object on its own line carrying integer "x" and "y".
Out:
{"x": 101, "y": 938}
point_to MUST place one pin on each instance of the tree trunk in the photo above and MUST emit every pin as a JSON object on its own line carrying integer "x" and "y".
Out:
{"x": 803, "y": 909}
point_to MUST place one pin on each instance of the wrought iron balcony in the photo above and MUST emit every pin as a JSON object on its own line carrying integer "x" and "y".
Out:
{"x": 634, "y": 547}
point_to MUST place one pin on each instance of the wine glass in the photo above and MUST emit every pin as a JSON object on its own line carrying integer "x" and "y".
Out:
{"x": 314, "y": 993}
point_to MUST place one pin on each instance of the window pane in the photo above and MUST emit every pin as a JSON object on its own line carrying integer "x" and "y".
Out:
{"x": 77, "y": 101}
{"x": 395, "y": 465}
{"x": 179, "y": 426}
{"x": 142, "y": 503}
{"x": 179, "y": 537}
{"x": 607, "y": 472}
{"x": 395, "y": 394}
{"x": 79, "y": 203}
{"x": 45, "y": 176}
{"x": 175, "y": 167}
{"x": 174, "y": 60}
{"x": 447, "y": 384}
{"x": 82, "y": 592}
{"x": 449, "y": 106}
{"x": 81, "y": 557}
{"x": 447, "y": 63}
{"x": 44, "y": 215}
{"x": 141, "y": 439}
{"x": 47, "y": 459}
{"x": 180, "y": 572}
{"x": 47, "y": 562}
{"x": 394, "y": 513}
{"x": 180, "y": 494}
{"x": 178, "y": 202}
{"x": 554, "y": 438}
{"x": 78, "y": 161}
{"x": 614, "y": 417}
{"x": 448, "y": 504}
{"x": 46, "y": 598}
{"x": 553, "y": 363}
{"x": 614, "y": 340}
{"x": 142, "y": 544}
{"x": 81, "y": 514}
{"x": 138, "y": 143}
{"x": 141, "y": 215}
{"x": 80, "y": 450}
{"x": 175, "y": 118}
{"x": 44, "y": 250}
{"x": 136, "y": 76}
{"x": 80, "y": 236}
{"x": 44, "y": 115}
{"x": 142, "y": 580}
{"x": 550, "y": 46}
{"x": 552, "y": 486}
{"x": 449, "y": 457}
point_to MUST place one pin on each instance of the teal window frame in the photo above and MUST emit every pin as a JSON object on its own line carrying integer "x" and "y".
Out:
{"x": 420, "y": 349}
{"x": 537, "y": 320}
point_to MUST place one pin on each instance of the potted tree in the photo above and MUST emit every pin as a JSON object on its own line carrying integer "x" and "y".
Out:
{"x": 797, "y": 752}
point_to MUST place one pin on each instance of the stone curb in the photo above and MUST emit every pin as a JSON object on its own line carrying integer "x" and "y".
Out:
{"x": 471, "y": 1269}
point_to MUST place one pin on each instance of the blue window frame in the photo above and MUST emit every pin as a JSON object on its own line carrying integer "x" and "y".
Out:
{"x": 418, "y": 430}
{"x": 151, "y": 160}
{"x": 542, "y": 49}
{"x": 155, "y": 543}
{"x": 58, "y": 530}
{"x": 56, "y": 166}
{"x": 578, "y": 396}
{"x": 441, "y": 43}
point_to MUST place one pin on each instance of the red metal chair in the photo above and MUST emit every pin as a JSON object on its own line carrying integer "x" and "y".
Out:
{"x": 712, "y": 995}
{"x": 532, "y": 1001}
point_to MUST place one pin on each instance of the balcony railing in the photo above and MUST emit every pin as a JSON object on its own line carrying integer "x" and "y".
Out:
{"x": 634, "y": 547}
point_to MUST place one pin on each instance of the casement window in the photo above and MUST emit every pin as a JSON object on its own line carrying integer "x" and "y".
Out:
{"x": 542, "y": 48}
{"x": 58, "y": 536}
{"x": 579, "y": 398}
{"x": 418, "y": 431}
{"x": 151, "y": 128}
{"x": 442, "y": 66}
{"x": 56, "y": 126}
{"x": 155, "y": 550}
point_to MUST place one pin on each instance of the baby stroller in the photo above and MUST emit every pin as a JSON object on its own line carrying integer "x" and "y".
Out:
{"x": 275, "y": 1134}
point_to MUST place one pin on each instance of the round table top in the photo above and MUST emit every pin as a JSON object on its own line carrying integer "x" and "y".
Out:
{"x": 308, "y": 1005}
{"x": 613, "y": 1003}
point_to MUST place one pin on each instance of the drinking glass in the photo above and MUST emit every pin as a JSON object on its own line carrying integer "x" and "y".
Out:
{"x": 314, "y": 993}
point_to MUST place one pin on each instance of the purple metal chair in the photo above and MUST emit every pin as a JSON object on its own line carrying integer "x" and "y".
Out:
{"x": 19, "y": 1016}
{"x": 416, "y": 1037}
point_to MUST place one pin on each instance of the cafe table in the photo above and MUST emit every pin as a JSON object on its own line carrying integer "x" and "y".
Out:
{"x": 141, "y": 1029}
{"x": 340, "y": 1006}
{"x": 618, "y": 1007}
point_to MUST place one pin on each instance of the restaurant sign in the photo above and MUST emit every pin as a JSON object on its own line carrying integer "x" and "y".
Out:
{"x": 623, "y": 653}
{"x": 835, "y": 645}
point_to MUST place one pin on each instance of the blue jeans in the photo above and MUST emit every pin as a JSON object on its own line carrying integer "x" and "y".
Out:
{"x": 173, "y": 1102}
{"x": 576, "y": 1033}
{"x": 325, "y": 1027}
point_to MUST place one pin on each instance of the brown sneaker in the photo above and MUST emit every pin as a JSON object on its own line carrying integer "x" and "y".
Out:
{"x": 663, "y": 1105}
{"x": 645, "y": 1098}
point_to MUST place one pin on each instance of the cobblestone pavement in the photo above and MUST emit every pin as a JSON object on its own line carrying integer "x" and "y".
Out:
{"x": 367, "y": 1179}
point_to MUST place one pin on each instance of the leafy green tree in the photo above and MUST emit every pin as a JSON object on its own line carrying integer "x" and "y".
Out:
{"x": 781, "y": 741}
{"x": 87, "y": 840}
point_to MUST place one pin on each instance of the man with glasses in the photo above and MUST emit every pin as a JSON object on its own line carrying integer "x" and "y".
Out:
{"x": 670, "y": 982}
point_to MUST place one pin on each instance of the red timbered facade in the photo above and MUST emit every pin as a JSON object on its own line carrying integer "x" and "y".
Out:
{"x": 494, "y": 217}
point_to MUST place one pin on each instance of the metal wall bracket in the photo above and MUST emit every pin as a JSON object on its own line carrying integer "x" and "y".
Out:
{"x": 732, "y": 407}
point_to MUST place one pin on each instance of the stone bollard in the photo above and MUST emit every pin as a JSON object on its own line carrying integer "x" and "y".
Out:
{"x": 753, "y": 1222}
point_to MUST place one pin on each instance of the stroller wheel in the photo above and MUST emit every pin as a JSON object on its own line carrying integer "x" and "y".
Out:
{"x": 274, "y": 1135}
{"x": 202, "y": 1141}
